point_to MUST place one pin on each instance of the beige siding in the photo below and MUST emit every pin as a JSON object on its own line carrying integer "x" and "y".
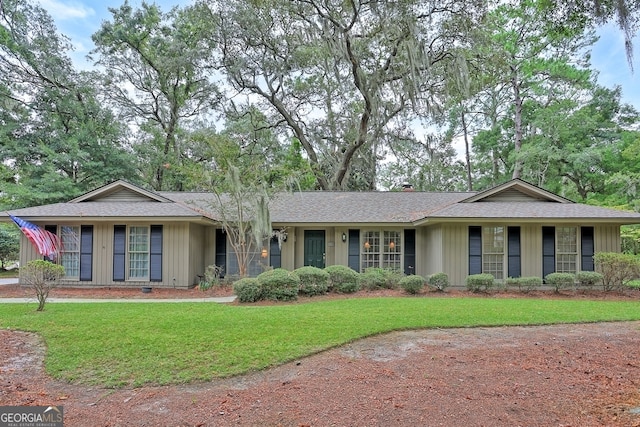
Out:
{"x": 607, "y": 238}
{"x": 531, "y": 250}
{"x": 197, "y": 241}
{"x": 429, "y": 250}
{"x": 455, "y": 252}
{"x": 123, "y": 195}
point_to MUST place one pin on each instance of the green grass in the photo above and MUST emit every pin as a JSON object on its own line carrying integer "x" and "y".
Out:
{"x": 131, "y": 344}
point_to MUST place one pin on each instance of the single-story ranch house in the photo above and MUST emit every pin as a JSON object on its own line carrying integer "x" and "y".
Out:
{"x": 123, "y": 235}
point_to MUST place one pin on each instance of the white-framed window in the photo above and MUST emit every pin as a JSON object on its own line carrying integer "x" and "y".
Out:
{"x": 382, "y": 249}
{"x": 566, "y": 249}
{"x": 70, "y": 250}
{"x": 493, "y": 247}
{"x": 138, "y": 252}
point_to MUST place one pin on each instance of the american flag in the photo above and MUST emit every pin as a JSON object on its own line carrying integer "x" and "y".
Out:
{"x": 45, "y": 242}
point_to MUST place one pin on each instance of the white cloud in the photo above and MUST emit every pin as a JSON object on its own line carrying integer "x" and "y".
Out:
{"x": 62, "y": 10}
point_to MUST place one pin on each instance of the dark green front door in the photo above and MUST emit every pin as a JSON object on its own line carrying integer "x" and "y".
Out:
{"x": 314, "y": 253}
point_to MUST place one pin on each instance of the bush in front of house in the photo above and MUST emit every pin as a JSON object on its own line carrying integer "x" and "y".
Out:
{"x": 524, "y": 284}
{"x": 279, "y": 284}
{"x": 247, "y": 290}
{"x": 313, "y": 280}
{"x": 439, "y": 281}
{"x": 617, "y": 269}
{"x": 480, "y": 282}
{"x": 342, "y": 279}
{"x": 42, "y": 276}
{"x": 588, "y": 279}
{"x": 412, "y": 284}
{"x": 560, "y": 280}
{"x": 379, "y": 278}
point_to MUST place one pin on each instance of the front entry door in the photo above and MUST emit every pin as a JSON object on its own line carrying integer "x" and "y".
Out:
{"x": 314, "y": 253}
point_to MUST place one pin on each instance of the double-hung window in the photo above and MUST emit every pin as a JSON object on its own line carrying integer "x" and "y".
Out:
{"x": 493, "y": 251}
{"x": 566, "y": 249}
{"x": 382, "y": 249}
{"x": 70, "y": 250}
{"x": 138, "y": 241}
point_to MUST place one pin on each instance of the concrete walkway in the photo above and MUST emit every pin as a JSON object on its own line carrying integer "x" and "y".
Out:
{"x": 135, "y": 300}
{"x": 83, "y": 300}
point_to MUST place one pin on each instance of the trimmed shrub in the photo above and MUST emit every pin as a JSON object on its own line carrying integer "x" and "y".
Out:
{"x": 41, "y": 276}
{"x": 247, "y": 290}
{"x": 412, "y": 284}
{"x": 588, "y": 279}
{"x": 617, "y": 269}
{"x": 480, "y": 282}
{"x": 439, "y": 281}
{"x": 560, "y": 280}
{"x": 524, "y": 284}
{"x": 379, "y": 278}
{"x": 279, "y": 284}
{"x": 313, "y": 280}
{"x": 342, "y": 279}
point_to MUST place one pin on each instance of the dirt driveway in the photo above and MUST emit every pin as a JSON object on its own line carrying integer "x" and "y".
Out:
{"x": 567, "y": 375}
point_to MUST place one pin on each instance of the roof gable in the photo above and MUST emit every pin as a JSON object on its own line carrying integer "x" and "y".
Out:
{"x": 516, "y": 191}
{"x": 120, "y": 191}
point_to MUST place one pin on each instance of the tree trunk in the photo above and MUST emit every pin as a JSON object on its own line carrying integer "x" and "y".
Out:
{"x": 517, "y": 101}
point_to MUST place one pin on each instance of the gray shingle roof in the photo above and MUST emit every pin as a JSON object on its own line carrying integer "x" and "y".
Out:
{"x": 547, "y": 210}
{"x": 334, "y": 207}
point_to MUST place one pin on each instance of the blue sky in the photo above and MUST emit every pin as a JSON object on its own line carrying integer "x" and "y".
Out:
{"x": 79, "y": 19}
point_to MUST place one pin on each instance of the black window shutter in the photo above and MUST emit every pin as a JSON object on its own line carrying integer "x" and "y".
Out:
{"x": 475, "y": 249}
{"x": 275, "y": 254}
{"x": 409, "y": 251}
{"x": 53, "y": 229}
{"x": 514, "y": 263}
{"x": 548, "y": 250}
{"x": 86, "y": 252}
{"x": 221, "y": 250}
{"x": 587, "y": 249}
{"x": 119, "y": 252}
{"x": 155, "y": 254}
{"x": 354, "y": 249}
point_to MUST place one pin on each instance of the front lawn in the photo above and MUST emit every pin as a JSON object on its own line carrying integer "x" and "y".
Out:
{"x": 131, "y": 344}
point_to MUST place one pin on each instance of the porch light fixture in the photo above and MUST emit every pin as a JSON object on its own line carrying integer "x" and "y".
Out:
{"x": 367, "y": 245}
{"x": 392, "y": 245}
{"x": 344, "y": 237}
{"x": 264, "y": 253}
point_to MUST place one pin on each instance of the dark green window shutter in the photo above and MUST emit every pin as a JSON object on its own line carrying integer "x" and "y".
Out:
{"x": 86, "y": 252}
{"x": 475, "y": 249}
{"x": 514, "y": 263}
{"x": 221, "y": 250}
{"x": 275, "y": 254}
{"x": 548, "y": 250}
{"x": 155, "y": 254}
{"x": 409, "y": 251}
{"x": 587, "y": 248}
{"x": 354, "y": 249}
{"x": 119, "y": 252}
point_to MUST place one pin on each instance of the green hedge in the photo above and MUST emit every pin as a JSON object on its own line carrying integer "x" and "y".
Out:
{"x": 439, "y": 281}
{"x": 279, "y": 284}
{"x": 480, "y": 282}
{"x": 342, "y": 279}
{"x": 560, "y": 280}
{"x": 247, "y": 290}
{"x": 313, "y": 280}
{"x": 412, "y": 284}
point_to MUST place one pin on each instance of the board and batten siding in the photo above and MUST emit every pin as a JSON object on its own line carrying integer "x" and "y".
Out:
{"x": 429, "y": 250}
{"x": 455, "y": 252}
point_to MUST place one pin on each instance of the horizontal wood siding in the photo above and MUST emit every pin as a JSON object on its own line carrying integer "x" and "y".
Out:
{"x": 123, "y": 195}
